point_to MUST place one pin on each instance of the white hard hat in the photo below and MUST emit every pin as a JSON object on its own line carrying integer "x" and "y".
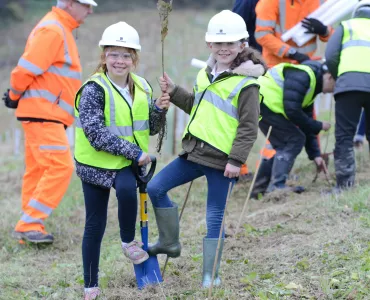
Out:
{"x": 122, "y": 35}
{"x": 90, "y": 2}
{"x": 226, "y": 26}
{"x": 359, "y": 5}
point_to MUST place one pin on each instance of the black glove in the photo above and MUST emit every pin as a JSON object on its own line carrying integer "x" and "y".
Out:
{"x": 315, "y": 26}
{"x": 299, "y": 57}
{"x": 9, "y": 102}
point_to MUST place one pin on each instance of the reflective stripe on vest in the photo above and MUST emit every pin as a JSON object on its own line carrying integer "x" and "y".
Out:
{"x": 217, "y": 101}
{"x": 355, "y": 46}
{"x": 272, "y": 87}
{"x": 128, "y": 123}
{"x": 214, "y": 117}
{"x": 121, "y": 130}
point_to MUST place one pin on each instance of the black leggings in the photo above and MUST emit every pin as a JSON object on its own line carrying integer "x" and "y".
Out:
{"x": 96, "y": 205}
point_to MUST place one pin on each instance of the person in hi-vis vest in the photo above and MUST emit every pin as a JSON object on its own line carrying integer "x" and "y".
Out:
{"x": 42, "y": 90}
{"x": 289, "y": 92}
{"x": 223, "y": 126}
{"x": 347, "y": 56}
{"x": 115, "y": 115}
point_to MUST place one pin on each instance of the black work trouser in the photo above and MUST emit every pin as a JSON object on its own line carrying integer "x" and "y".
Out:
{"x": 286, "y": 139}
{"x": 348, "y": 107}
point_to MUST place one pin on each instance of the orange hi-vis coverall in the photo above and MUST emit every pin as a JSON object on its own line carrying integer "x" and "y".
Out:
{"x": 45, "y": 81}
{"x": 274, "y": 18}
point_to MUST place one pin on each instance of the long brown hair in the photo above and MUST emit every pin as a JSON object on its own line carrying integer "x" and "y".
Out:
{"x": 249, "y": 53}
{"x": 102, "y": 66}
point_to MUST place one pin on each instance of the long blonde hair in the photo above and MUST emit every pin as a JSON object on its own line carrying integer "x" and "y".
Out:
{"x": 102, "y": 66}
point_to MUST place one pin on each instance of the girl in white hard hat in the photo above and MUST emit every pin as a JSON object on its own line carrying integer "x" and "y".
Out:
{"x": 224, "y": 111}
{"x": 115, "y": 115}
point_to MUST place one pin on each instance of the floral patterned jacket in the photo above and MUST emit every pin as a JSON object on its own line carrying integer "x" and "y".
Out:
{"x": 91, "y": 113}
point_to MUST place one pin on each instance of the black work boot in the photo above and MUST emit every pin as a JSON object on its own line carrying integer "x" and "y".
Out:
{"x": 263, "y": 177}
{"x": 345, "y": 182}
{"x": 36, "y": 237}
{"x": 169, "y": 230}
{"x": 281, "y": 168}
{"x": 345, "y": 168}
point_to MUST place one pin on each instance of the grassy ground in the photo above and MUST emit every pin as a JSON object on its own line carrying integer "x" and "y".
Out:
{"x": 308, "y": 246}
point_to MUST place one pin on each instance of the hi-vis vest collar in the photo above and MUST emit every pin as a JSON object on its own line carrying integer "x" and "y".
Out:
{"x": 211, "y": 96}
{"x": 214, "y": 117}
{"x": 277, "y": 74}
{"x": 126, "y": 122}
{"x": 111, "y": 124}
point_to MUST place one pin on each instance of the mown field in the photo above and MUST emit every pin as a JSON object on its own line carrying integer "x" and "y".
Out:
{"x": 308, "y": 246}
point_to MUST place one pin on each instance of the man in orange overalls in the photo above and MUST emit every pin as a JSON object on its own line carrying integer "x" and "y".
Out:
{"x": 43, "y": 87}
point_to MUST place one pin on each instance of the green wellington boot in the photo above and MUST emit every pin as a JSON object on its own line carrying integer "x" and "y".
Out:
{"x": 209, "y": 254}
{"x": 169, "y": 230}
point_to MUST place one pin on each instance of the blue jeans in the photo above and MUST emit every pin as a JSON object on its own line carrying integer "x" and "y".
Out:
{"x": 96, "y": 205}
{"x": 181, "y": 171}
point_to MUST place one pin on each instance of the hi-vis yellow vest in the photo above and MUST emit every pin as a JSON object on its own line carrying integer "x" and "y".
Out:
{"x": 131, "y": 124}
{"x": 214, "y": 117}
{"x": 355, "y": 52}
{"x": 272, "y": 87}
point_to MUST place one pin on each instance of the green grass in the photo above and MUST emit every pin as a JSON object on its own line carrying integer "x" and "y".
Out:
{"x": 309, "y": 246}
